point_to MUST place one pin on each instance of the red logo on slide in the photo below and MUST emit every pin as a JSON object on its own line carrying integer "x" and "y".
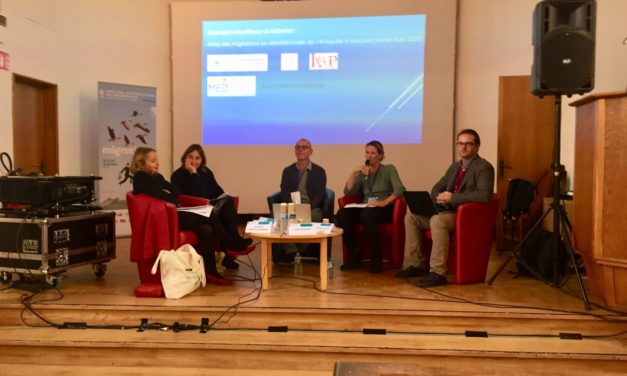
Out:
{"x": 323, "y": 60}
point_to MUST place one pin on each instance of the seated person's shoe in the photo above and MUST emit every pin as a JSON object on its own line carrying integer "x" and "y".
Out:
{"x": 431, "y": 280}
{"x": 229, "y": 263}
{"x": 375, "y": 268}
{"x": 240, "y": 245}
{"x": 245, "y": 251}
{"x": 215, "y": 277}
{"x": 411, "y": 271}
{"x": 351, "y": 264}
{"x": 354, "y": 260}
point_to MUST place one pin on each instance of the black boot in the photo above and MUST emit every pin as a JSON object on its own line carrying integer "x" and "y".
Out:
{"x": 229, "y": 263}
{"x": 354, "y": 260}
{"x": 376, "y": 262}
{"x": 375, "y": 267}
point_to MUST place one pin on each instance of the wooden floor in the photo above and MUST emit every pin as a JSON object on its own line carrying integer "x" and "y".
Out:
{"x": 425, "y": 329}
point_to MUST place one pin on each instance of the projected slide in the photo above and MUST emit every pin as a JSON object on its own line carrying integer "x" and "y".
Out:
{"x": 332, "y": 80}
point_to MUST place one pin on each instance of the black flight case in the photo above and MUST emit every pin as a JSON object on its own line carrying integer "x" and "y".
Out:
{"x": 46, "y": 247}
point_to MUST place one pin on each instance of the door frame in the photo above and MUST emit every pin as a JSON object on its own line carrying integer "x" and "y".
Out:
{"x": 47, "y": 122}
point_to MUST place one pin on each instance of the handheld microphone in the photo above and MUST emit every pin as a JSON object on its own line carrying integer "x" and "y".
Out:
{"x": 367, "y": 165}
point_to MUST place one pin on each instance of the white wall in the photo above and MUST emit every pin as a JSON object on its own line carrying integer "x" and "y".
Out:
{"x": 74, "y": 44}
{"x": 495, "y": 40}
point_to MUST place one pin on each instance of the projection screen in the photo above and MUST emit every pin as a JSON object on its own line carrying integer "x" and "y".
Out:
{"x": 252, "y": 77}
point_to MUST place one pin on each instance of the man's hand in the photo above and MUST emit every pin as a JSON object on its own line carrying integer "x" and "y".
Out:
{"x": 444, "y": 198}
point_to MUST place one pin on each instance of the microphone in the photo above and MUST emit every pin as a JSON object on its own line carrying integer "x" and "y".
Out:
{"x": 367, "y": 165}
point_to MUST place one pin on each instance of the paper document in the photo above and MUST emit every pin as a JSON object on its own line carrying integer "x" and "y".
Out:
{"x": 364, "y": 205}
{"x": 259, "y": 227}
{"x": 204, "y": 210}
{"x": 295, "y": 197}
{"x": 324, "y": 228}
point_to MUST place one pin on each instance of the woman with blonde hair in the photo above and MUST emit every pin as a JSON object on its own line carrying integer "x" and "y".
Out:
{"x": 148, "y": 180}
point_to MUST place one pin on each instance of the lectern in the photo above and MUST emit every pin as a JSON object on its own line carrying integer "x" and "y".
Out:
{"x": 600, "y": 188}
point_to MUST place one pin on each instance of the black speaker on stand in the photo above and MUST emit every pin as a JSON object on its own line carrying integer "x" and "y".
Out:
{"x": 563, "y": 40}
{"x": 563, "y": 64}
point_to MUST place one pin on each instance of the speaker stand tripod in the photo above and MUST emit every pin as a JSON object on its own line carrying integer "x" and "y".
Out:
{"x": 561, "y": 226}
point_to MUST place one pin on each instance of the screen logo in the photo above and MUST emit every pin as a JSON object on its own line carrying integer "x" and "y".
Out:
{"x": 323, "y": 60}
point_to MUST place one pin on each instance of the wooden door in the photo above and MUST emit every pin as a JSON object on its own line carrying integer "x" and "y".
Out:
{"x": 35, "y": 129}
{"x": 525, "y": 144}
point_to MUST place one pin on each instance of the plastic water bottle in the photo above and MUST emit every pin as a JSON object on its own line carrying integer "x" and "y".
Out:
{"x": 330, "y": 269}
{"x": 291, "y": 213}
{"x": 298, "y": 264}
{"x": 283, "y": 218}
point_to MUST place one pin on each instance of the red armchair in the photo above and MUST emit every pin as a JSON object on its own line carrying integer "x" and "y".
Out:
{"x": 155, "y": 227}
{"x": 471, "y": 242}
{"x": 391, "y": 235}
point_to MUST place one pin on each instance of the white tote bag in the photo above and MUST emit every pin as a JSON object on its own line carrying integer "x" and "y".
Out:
{"x": 182, "y": 271}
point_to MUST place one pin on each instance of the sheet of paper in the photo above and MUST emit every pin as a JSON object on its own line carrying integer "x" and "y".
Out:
{"x": 364, "y": 205}
{"x": 295, "y": 197}
{"x": 204, "y": 210}
{"x": 323, "y": 228}
{"x": 301, "y": 229}
{"x": 259, "y": 227}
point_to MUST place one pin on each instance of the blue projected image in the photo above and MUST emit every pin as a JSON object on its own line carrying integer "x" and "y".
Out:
{"x": 331, "y": 80}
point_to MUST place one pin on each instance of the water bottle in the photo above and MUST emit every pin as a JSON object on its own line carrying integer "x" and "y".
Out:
{"x": 330, "y": 269}
{"x": 298, "y": 264}
{"x": 291, "y": 213}
{"x": 283, "y": 218}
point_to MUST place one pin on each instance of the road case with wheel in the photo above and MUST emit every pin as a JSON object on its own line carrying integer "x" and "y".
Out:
{"x": 48, "y": 246}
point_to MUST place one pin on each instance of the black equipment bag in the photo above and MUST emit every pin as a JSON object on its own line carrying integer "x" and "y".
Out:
{"x": 538, "y": 253}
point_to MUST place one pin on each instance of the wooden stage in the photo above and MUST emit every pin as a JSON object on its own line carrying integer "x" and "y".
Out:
{"x": 425, "y": 329}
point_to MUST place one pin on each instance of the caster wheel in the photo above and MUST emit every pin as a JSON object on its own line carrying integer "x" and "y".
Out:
{"x": 53, "y": 281}
{"x": 99, "y": 270}
{"x": 6, "y": 277}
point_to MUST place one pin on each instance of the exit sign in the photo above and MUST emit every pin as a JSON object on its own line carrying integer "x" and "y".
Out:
{"x": 4, "y": 60}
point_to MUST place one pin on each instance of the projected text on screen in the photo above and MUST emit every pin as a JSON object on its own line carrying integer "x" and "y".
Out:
{"x": 331, "y": 80}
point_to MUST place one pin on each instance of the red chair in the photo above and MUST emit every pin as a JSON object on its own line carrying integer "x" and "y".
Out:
{"x": 470, "y": 242}
{"x": 155, "y": 227}
{"x": 391, "y": 235}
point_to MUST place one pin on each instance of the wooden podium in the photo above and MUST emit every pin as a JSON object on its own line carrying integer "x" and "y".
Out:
{"x": 600, "y": 188}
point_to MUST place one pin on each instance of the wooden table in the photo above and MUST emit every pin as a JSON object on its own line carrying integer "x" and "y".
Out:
{"x": 276, "y": 237}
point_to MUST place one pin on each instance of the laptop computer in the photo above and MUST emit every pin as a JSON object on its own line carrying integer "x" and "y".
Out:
{"x": 420, "y": 203}
{"x": 303, "y": 212}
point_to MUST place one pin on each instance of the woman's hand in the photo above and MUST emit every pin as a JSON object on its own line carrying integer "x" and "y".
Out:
{"x": 351, "y": 178}
{"x": 377, "y": 204}
{"x": 365, "y": 170}
{"x": 188, "y": 166}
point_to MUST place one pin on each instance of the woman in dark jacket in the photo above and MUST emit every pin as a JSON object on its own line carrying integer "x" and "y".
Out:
{"x": 195, "y": 179}
{"x": 148, "y": 180}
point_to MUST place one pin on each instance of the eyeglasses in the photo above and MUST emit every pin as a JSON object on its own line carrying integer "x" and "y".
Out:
{"x": 467, "y": 144}
{"x": 301, "y": 147}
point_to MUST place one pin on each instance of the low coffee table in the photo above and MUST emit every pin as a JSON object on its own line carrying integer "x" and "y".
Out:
{"x": 276, "y": 237}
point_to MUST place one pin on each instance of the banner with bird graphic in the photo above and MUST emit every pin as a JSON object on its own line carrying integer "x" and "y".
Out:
{"x": 126, "y": 120}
